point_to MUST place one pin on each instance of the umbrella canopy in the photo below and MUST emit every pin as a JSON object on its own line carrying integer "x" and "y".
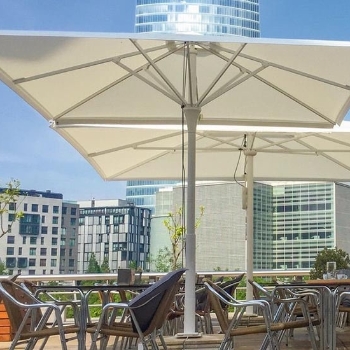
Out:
{"x": 79, "y": 80}
{"x": 101, "y": 78}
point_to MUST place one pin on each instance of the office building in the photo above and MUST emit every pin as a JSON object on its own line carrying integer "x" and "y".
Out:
{"x": 292, "y": 222}
{"x": 201, "y": 17}
{"x": 34, "y": 244}
{"x": 141, "y": 192}
{"x": 115, "y": 231}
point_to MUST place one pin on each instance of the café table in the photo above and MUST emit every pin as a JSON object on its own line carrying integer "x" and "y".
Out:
{"x": 84, "y": 291}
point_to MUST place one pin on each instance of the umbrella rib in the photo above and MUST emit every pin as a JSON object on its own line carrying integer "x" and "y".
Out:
{"x": 291, "y": 70}
{"x": 221, "y": 73}
{"x": 157, "y": 69}
{"x": 85, "y": 65}
{"x": 303, "y": 104}
{"x": 127, "y": 76}
{"x": 232, "y": 83}
{"x": 147, "y": 161}
{"x": 134, "y": 145}
{"x": 265, "y": 64}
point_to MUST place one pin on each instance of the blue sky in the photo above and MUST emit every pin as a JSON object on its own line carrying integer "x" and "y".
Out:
{"x": 33, "y": 153}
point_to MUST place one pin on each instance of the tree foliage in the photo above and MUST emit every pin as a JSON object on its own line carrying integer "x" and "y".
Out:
{"x": 93, "y": 266}
{"x": 3, "y": 270}
{"x": 9, "y": 196}
{"x": 174, "y": 223}
{"x": 341, "y": 258}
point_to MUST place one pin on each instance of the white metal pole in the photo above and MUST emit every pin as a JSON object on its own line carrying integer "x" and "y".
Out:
{"x": 192, "y": 116}
{"x": 250, "y": 153}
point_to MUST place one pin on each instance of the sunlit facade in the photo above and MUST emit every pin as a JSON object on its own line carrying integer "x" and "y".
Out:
{"x": 203, "y": 17}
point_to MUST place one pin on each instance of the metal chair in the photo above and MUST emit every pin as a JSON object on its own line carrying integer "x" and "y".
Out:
{"x": 30, "y": 318}
{"x": 147, "y": 313}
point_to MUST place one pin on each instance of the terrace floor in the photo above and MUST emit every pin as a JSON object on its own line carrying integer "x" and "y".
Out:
{"x": 298, "y": 342}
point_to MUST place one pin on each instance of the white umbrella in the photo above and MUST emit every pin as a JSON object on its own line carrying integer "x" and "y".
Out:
{"x": 107, "y": 79}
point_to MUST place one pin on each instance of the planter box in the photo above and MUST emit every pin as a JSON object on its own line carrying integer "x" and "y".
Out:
{"x": 5, "y": 328}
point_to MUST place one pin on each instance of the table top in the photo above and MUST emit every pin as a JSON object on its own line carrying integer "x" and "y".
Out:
{"x": 329, "y": 282}
{"x": 102, "y": 287}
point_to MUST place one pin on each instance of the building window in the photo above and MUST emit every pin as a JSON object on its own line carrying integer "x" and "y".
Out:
{"x": 25, "y": 207}
{"x": 10, "y": 239}
{"x": 42, "y": 262}
{"x": 64, "y": 210}
{"x": 32, "y": 240}
{"x": 43, "y": 251}
{"x": 53, "y": 262}
{"x": 35, "y": 208}
{"x": 31, "y": 272}
{"x": 20, "y": 251}
{"x": 63, "y": 241}
{"x": 43, "y": 218}
{"x": 22, "y": 263}
{"x": 55, "y": 220}
{"x": 53, "y": 251}
{"x": 73, "y": 221}
{"x": 42, "y": 240}
{"x": 45, "y": 208}
{"x": 11, "y": 217}
{"x": 43, "y": 230}
{"x": 73, "y": 211}
{"x": 24, "y": 240}
{"x": 63, "y": 251}
{"x": 12, "y": 206}
{"x": 71, "y": 262}
{"x": 55, "y": 230}
{"x": 32, "y": 251}
{"x": 53, "y": 241}
{"x": 10, "y": 251}
{"x": 72, "y": 242}
{"x": 56, "y": 209}
{"x": 10, "y": 263}
{"x": 31, "y": 262}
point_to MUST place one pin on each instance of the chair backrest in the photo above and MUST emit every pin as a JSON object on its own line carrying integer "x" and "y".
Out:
{"x": 259, "y": 292}
{"x": 155, "y": 299}
{"x": 12, "y": 292}
{"x": 215, "y": 304}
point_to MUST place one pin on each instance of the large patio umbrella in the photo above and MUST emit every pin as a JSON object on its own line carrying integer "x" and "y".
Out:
{"x": 78, "y": 80}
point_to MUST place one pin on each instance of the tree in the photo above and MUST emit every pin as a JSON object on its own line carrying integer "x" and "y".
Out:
{"x": 3, "y": 270}
{"x": 176, "y": 229}
{"x": 163, "y": 260}
{"x": 105, "y": 266}
{"x": 93, "y": 266}
{"x": 8, "y": 198}
{"x": 341, "y": 258}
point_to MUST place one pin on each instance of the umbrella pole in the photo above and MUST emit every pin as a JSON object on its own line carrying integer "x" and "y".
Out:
{"x": 192, "y": 116}
{"x": 250, "y": 153}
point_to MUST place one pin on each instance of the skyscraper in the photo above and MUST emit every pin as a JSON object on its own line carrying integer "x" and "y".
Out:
{"x": 203, "y": 17}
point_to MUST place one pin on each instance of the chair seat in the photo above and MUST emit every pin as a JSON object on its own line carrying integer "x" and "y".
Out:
{"x": 280, "y": 326}
{"x": 47, "y": 332}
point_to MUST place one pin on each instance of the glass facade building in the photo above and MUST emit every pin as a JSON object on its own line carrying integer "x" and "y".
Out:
{"x": 142, "y": 192}
{"x": 203, "y": 17}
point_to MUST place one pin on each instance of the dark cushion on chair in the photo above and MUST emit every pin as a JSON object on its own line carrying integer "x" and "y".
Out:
{"x": 152, "y": 296}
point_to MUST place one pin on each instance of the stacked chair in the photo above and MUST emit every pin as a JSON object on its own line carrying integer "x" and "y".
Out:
{"x": 274, "y": 324}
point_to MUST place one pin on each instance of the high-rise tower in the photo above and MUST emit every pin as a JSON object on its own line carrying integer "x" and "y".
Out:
{"x": 203, "y": 17}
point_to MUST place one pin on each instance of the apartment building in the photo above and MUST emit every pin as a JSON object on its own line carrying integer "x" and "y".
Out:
{"x": 116, "y": 231}
{"x": 35, "y": 243}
